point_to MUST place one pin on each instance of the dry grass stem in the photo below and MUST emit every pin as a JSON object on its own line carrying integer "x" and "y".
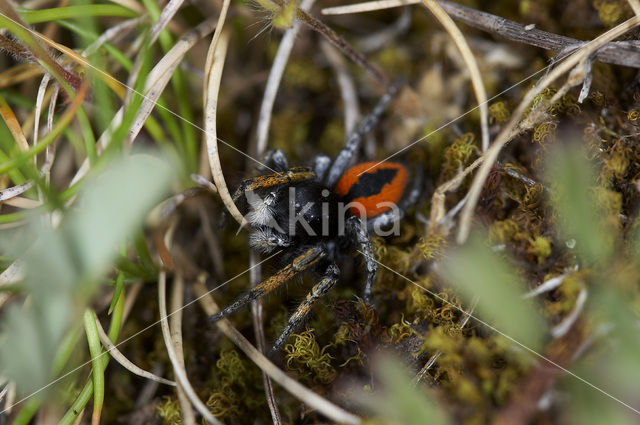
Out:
{"x": 125, "y": 362}
{"x": 472, "y": 65}
{"x": 13, "y": 191}
{"x": 175, "y": 323}
{"x": 490, "y": 157}
{"x": 624, "y": 53}
{"x": 211, "y": 112}
{"x": 179, "y": 371}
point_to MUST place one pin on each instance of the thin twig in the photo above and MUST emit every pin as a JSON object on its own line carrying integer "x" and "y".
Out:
{"x": 341, "y": 44}
{"x": 302, "y": 393}
{"x": 470, "y": 60}
{"x": 626, "y": 53}
{"x": 125, "y": 362}
{"x": 42, "y": 89}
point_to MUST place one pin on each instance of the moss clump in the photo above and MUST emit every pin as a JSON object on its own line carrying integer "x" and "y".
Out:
{"x": 240, "y": 386}
{"x": 540, "y": 248}
{"x": 169, "y": 412}
{"x": 544, "y": 132}
{"x": 305, "y": 355}
{"x": 432, "y": 245}
{"x": 458, "y": 155}
{"x": 609, "y": 11}
{"x": 503, "y": 231}
{"x": 499, "y": 113}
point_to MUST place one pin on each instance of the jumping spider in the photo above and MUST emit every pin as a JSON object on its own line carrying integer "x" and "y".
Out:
{"x": 319, "y": 214}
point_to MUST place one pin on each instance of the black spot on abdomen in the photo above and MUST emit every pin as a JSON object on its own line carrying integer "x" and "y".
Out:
{"x": 370, "y": 183}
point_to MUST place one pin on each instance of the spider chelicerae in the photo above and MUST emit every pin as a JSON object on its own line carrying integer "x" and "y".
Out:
{"x": 317, "y": 215}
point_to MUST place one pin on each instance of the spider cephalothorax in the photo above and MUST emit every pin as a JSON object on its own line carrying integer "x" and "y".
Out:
{"x": 319, "y": 214}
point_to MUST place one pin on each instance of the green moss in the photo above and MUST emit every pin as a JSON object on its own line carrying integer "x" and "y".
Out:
{"x": 609, "y": 11}
{"x": 540, "y": 248}
{"x": 458, "y": 155}
{"x": 499, "y": 112}
{"x": 305, "y": 356}
{"x": 169, "y": 411}
{"x": 303, "y": 73}
{"x": 239, "y": 386}
{"x": 432, "y": 245}
{"x": 283, "y": 18}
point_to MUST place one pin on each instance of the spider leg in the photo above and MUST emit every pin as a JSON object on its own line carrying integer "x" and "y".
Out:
{"x": 320, "y": 166}
{"x": 288, "y": 176}
{"x": 274, "y": 160}
{"x": 265, "y": 239}
{"x": 343, "y": 160}
{"x": 299, "y": 264}
{"x": 296, "y": 320}
{"x": 292, "y": 175}
{"x": 358, "y": 232}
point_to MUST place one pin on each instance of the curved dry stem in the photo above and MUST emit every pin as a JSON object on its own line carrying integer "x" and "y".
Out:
{"x": 489, "y": 158}
{"x": 157, "y": 80}
{"x": 302, "y": 393}
{"x": 168, "y": 11}
{"x": 175, "y": 323}
{"x": 559, "y": 330}
{"x": 211, "y": 103}
{"x": 161, "y": 74}
{"x": 347, "y": 88}
{"x": 13, "y": 191}
{"x": 42, "y": 89}
{"x": 125, "y": 362}
{"x": 179, "y": 371}
{"x": 470, "y": 60}
{"x": 213, "y": 46}
{"x": 118, "y": 30}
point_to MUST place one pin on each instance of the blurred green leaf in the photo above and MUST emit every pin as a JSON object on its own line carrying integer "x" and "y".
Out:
{"x": 399, "y": 401}
{"x": 572, "y": 178}
{"x": 590, "y": 407}
{"x": 615, "y": 365}
{"x": 480, "y": 274}
{"x": 65, "y": 264}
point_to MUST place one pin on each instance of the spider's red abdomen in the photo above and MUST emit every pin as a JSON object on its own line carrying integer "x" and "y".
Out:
{"x": 373, "y": 185}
